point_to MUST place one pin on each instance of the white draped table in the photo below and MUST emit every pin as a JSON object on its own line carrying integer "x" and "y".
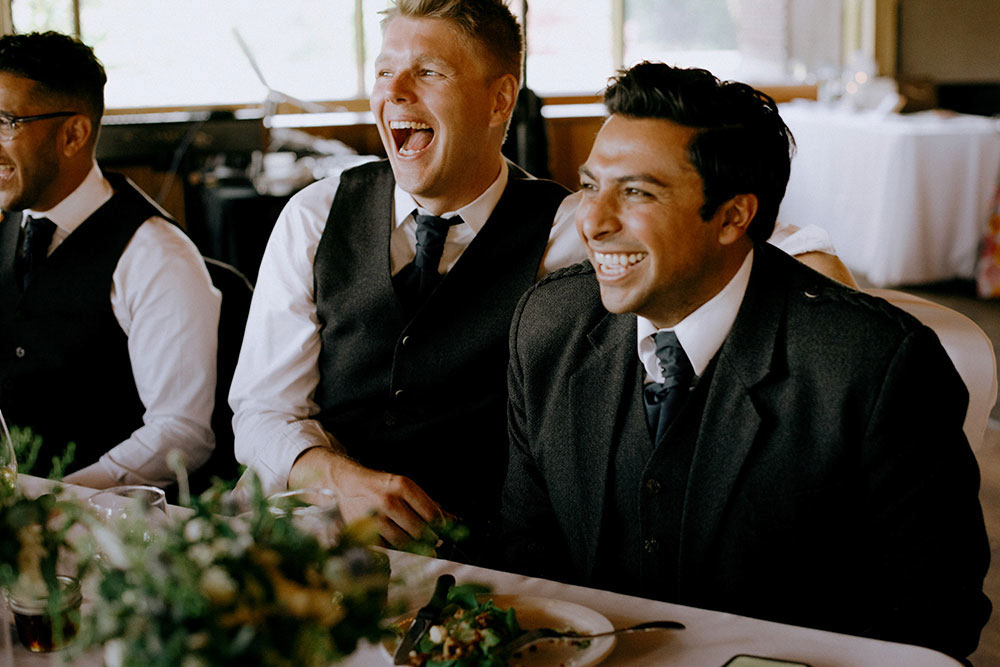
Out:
{"x": 710, "y": 639}
{"x": 905, "y": 198}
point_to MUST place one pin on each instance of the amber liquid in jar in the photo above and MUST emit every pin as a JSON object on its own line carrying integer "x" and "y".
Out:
{"x": 36, "y": 628}
{"x": 37, "y": 633}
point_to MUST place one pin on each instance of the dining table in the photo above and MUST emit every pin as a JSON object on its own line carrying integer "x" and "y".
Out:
{"x": 710, "y": 638}
{"x": 905, "y": 198}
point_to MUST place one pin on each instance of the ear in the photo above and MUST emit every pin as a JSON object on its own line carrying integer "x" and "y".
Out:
{"x": 736, "y": 215}
{"x": 76, "y": 133}
{"x": 503, "y": 92}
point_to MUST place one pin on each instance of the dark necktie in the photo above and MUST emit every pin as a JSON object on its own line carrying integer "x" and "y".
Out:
{"x": 664, "y": 400}
{"x": 415, "y": 281}
{"x": 37, "y": 238}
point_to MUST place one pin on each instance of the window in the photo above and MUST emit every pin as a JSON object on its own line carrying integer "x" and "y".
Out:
{"x": 185, "y": 53}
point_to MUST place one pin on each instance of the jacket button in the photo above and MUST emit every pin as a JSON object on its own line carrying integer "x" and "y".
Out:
{"x": 651, "y": 546}
{"x": 405, "y": 341}
{"x": 653, "y": 486}
{"x": 19, "y": 352}
{"x": 390, "y": 419}
{"x": 399, "y": 393}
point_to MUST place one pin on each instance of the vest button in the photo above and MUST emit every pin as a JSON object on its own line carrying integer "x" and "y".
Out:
{"x": 405, "y": 341}
{"x": 19, "y": 352}
{"x": 390, "y": 419}
{"x": 399, "y": 393}
{"x": 651, "y": 546}
{"x": 653, "y": 487}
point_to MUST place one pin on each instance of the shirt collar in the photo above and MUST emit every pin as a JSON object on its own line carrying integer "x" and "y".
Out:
{"x": 475, "y": 213}
{"x": 89, "y": 196}
{"x": 701, "y": 333}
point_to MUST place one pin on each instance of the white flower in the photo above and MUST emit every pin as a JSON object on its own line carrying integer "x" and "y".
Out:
{"x": 196, "y": 529}
{"x": 114, "y": 652}
{"x": 202, "y": 554}
{"x": 217, "y": 585}
{"x": 226, "y": 546}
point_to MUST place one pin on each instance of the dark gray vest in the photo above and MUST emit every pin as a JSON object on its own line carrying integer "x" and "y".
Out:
{"x": 426, "y": 397}
{"x": 647, "y": 488}
{"x": 64, "y": 364}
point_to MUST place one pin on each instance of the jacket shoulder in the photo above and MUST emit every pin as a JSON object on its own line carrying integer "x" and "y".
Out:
{"x": 565, "y": 300}
{"x": 574, "y": 283}
{"x": 818, "y": 296}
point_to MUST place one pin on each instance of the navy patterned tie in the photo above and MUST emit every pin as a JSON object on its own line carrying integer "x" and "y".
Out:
{"x": 37, "y": 238}
{"x": 415, "y": 281}
{"x": 663, "y": 400}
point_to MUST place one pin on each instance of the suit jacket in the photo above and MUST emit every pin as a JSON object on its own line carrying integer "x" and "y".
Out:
{"x": 831, "y": 483}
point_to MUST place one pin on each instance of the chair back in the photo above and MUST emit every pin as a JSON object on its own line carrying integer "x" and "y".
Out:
{"x": 236, "y": 295}
{"x": 970, "y": 349}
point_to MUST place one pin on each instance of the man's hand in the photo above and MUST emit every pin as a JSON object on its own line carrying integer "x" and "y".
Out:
{"x": 403, "y": 509}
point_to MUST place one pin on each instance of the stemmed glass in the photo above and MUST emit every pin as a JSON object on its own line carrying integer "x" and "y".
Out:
{"x": 8, "y": 458}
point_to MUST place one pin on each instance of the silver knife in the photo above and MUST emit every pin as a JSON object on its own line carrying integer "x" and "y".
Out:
{"x": 425, "y": 617}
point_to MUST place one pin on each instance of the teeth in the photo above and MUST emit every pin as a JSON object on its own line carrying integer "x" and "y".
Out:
{"x": 619, "y": 259}
{"x": 408, "y": 125}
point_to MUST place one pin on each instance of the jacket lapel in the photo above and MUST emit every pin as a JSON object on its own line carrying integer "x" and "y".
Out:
{"x": 597, "y": 388}
{"x": 731, "y": 419}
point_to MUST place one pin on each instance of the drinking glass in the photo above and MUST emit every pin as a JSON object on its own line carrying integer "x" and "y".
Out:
{"x": 135, "y": 509}
{"x": 38, "y": 630}
{"x": 314, "y": 511}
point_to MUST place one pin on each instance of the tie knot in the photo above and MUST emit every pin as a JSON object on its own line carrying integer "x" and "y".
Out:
{"x": 431, "y": 234}
{"x": 431, "y": 226}
{"x": 674, "y": 362}
{"x": 39, "y": 229}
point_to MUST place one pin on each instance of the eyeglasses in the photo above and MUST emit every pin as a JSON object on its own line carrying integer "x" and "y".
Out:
{"x": 9, "y": 124}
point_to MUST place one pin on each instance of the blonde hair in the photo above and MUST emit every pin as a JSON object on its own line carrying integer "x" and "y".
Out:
{"x": 486, "y": 22}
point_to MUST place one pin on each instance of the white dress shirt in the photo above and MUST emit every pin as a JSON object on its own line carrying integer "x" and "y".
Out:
{"x": 701, "y": 333}
{"x": 164, "y": 301}
{"x": 272, "y": 393}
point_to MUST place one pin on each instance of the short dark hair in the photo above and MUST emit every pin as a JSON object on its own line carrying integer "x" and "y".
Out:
{"x": 60, "y": 64}
{"x": 742, "y": 146}
{"x": 487, "y": 22}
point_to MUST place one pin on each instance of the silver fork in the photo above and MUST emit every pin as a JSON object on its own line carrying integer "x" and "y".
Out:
{"x": 537, "y": 634}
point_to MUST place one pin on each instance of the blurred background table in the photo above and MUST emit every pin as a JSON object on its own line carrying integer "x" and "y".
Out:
{"x": 905, "y": 198}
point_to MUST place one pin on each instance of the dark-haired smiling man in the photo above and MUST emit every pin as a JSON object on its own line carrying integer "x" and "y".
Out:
{"x": 696, "y": 417}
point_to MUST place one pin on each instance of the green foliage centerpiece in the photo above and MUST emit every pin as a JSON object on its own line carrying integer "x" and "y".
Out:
{"x": 255, "y": 589}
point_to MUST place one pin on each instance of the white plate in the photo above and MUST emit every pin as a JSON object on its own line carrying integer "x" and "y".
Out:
{"x": 536, "y": 612}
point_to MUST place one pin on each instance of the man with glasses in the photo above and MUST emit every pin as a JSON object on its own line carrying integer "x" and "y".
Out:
{"x": 108, "y": 317}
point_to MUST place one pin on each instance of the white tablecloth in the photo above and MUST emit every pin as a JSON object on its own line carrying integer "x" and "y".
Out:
{"x": 905, "y": 199}
{"x": 710, "y": 640}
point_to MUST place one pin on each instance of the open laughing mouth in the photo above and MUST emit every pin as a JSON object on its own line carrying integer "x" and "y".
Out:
{"x": 410, "y": 137}
{"x": 612, "y": 264}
